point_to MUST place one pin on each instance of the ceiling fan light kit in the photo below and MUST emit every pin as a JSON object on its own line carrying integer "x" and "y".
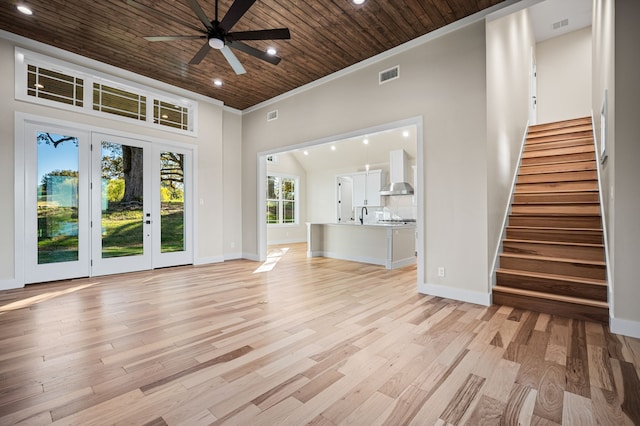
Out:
{"x": 218, "y": 34}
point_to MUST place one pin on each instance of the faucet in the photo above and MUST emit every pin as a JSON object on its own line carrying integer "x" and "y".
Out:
{"x": 362, "y": 213}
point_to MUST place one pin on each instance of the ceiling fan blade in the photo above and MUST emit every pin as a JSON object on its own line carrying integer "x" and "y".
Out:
{"x": 235, "y": 12}
{"x": 201, "y": 54}
{"x": 162, "y": 15}
{"x": 274, "y": 34}
{"x": 193, "y": 4}
{"x": 173, "y": 38}
{"x": 233, "y": 60}
{"x": 272, "y": 59}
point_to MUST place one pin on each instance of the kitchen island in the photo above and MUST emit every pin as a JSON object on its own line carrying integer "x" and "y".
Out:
{"x": 389, "y": 245}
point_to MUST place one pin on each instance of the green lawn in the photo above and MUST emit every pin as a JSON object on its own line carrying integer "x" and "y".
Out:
{"x": 122, "y": 233}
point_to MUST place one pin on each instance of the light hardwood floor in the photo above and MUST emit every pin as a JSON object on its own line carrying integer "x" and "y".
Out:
{"x": 299, "y": 341}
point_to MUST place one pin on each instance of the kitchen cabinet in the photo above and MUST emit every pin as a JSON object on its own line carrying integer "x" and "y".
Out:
{"x": 366, "y": 188}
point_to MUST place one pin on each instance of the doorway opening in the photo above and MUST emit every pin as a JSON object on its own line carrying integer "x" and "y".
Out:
{"x": 319, "y": 163}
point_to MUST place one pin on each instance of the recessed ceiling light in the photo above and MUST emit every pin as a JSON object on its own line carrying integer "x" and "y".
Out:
{"x": 271, "y": 51}
{"x": 365, "y": 141}
{"x": 306, "y": 153}
{"x": 405, "y": 133}
{"x": 217, "y": 82}
{"x": 333, "y": 147}
{"x": 358, "y": 1}
{"x": 25, "y": 9}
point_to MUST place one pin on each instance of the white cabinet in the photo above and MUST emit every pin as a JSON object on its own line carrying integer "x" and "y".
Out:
{"x": 366, "y": 188}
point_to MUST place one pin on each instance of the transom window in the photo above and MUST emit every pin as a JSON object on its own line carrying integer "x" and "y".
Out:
{"x": 282, "y": 195}
{"x": 55, "y": 83}
{"x": 47, "y": 84}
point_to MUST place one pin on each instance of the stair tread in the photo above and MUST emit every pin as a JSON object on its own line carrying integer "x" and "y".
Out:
{"x": 554, "y": 259}
{"x": 529, "y": 203}
{"x": 560, "y": 124}
{"x": 558, "y": 243}
{"x": 580, "y": 280}
{"x": 551, "y": 228}
{"x": 554, "y": 297}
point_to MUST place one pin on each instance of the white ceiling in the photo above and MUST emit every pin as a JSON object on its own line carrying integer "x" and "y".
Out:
{"x": 352, "y": 152}
{"x": 545, "y": 14}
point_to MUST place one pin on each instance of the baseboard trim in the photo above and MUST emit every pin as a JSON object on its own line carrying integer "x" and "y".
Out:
{"x": 625, "y": 327}
{"x": 289, "y": 241}
{"x": 10, "y": 284}
{"x": 232, "y": 256}
{"x": 251, "y": 256}
{"x": 475, "y": 297}
{"x": 208, "y": 260}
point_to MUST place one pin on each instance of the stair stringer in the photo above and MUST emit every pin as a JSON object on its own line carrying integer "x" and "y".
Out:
{"x": 507, "y": 212}
{"x": 605, "y": 232}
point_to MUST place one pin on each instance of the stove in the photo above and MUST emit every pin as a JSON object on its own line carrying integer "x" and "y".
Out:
{"x": 397, "y": 221}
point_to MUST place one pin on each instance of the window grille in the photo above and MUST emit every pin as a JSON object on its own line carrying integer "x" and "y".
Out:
{"x": 119, "y": 102}
{"x": 55, "y": 86}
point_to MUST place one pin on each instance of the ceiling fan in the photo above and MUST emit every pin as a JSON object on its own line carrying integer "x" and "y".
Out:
{"x": 217, "y": 33}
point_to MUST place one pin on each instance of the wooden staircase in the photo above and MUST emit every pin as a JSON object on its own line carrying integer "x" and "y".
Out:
{"x": 553, "y": 257}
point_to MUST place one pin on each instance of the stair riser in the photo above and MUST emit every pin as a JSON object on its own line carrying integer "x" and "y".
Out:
{"x": 557, "y": 197}
{"x": 570, "y": 209}
{"x": 569, "y": 310}
{"x": 588, "y": 222}
{"x": 576, "y": 166}
{"x": 560, "y": 130}
{"x": 534, "y": 138}
{"x": 586, "y": 185}
{"x": 559, "y": 151}
{"x": 555, "y": 250}
{"x": 535, "y": 145}
{"x": 554, "y": 267}
{"x": 565, "y": 236}
{"x": 553, "y": 286}
{"x": 558, "y": 177}
{"x": 583, "y": 156}
{"x": 560, "y": 124}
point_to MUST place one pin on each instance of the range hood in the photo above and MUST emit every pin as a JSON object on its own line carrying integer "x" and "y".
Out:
{"x": 398, "y": 173}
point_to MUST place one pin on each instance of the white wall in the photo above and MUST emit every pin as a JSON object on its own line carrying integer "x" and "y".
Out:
{"x": 510, "y": 43}
{"x": 290, "y": 233}
{"x": 626, "y": 174}
{"x": 232, "y": 184}
{"x": 444, "y": 82}
{"x": 209, "y": 169}
{"x": 564, "y": 76}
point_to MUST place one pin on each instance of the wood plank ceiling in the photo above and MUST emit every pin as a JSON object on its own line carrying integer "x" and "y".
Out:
{"x": 326, "y": 36}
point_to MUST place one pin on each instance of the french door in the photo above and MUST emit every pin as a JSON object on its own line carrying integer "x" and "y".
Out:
{"x": 100, "y": 204}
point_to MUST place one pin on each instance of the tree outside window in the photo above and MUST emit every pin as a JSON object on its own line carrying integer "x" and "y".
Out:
{"x": 281, "y": 199}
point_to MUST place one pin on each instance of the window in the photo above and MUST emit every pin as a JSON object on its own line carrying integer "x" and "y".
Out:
{"x": 54, "y": 86}
{"x": 48, "y": 81}
{"x": 282, "y": 195}
{"x": 119, "y": 102}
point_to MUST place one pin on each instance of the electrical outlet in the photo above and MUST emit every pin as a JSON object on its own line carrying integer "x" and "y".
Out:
{"x": 441, "y": 271}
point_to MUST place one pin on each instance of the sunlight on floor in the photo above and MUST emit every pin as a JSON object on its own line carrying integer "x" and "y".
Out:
{"x": 19, "y": 304}
{"x": 273, "y": 258}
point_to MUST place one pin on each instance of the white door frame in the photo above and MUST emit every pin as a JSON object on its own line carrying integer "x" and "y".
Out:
{"x": 22, "y": 120}
{"x": 33, "y": 271}
{"x": 117, "y": 265}
{"x": 262, "y": 177}
{"x": 533, "y": 90}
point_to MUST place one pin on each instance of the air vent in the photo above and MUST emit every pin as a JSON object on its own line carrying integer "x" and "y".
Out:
{"x": 272, "y": 115}
{"x": 560, "y": 24}
{"x": 388, "y": 75}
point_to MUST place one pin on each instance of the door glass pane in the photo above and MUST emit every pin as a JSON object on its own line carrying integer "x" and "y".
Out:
{"x": 122, "y": 200}
{"x": 57, "y": 198}
{"x": 171, "y": 202}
